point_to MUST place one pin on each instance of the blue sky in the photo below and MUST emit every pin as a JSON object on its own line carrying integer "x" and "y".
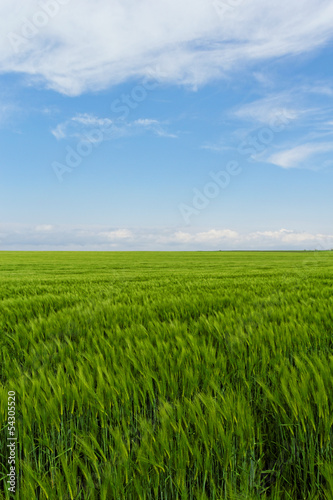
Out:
{"x": 166, "y": 125}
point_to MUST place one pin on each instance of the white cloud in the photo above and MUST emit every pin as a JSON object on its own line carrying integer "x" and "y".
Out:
{"x": 154, "y": 126}
{"x": 119, "y": 234}
{"x": 287, "y": 236}
{"x": 80, "y": 124}
{"x": 146, "y": 122}
{"x": 50, "y": 237}
{"x": 91, "y": 120}
{"x": 322, "y": 89}
{"x": 294, "y": 157}
{"x": 269, "y": 110}
{"x": 293, "y": 111}
{"x": 213, "y": 235}
{"x": 45, "y": 227}
{"x": 88, "y": 45}
{"x": 81, "y": 127}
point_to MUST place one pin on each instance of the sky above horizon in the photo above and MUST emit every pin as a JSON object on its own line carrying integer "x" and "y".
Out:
{"x": 166, "y": 125}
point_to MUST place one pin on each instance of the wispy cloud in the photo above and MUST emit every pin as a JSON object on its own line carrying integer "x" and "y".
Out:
{"x": 155, "y": 126}
{"x": 91, "y": 120}
{"x": 297, "y": 104}
{"x": 80, "y": 126}
{"x": 120, "y": 40}
{"x": 295, "y": 111}
{"x": 146, "y": 122}
{"x": 267, "y": 109}
{"x": 295, "y": 157}
{"x": 323, "y": 89}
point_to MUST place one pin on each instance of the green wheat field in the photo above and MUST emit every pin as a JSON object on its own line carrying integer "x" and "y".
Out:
{"x": 165, "y": 376}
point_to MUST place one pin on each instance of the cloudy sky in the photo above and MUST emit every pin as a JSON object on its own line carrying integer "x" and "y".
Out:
{"x": 166, "y": 124}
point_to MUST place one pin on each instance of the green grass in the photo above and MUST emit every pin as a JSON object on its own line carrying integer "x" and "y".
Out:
{"x": 168, "y": 375}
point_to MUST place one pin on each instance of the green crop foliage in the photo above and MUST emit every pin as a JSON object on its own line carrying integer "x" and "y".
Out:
{"x": 166, "y": 376}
